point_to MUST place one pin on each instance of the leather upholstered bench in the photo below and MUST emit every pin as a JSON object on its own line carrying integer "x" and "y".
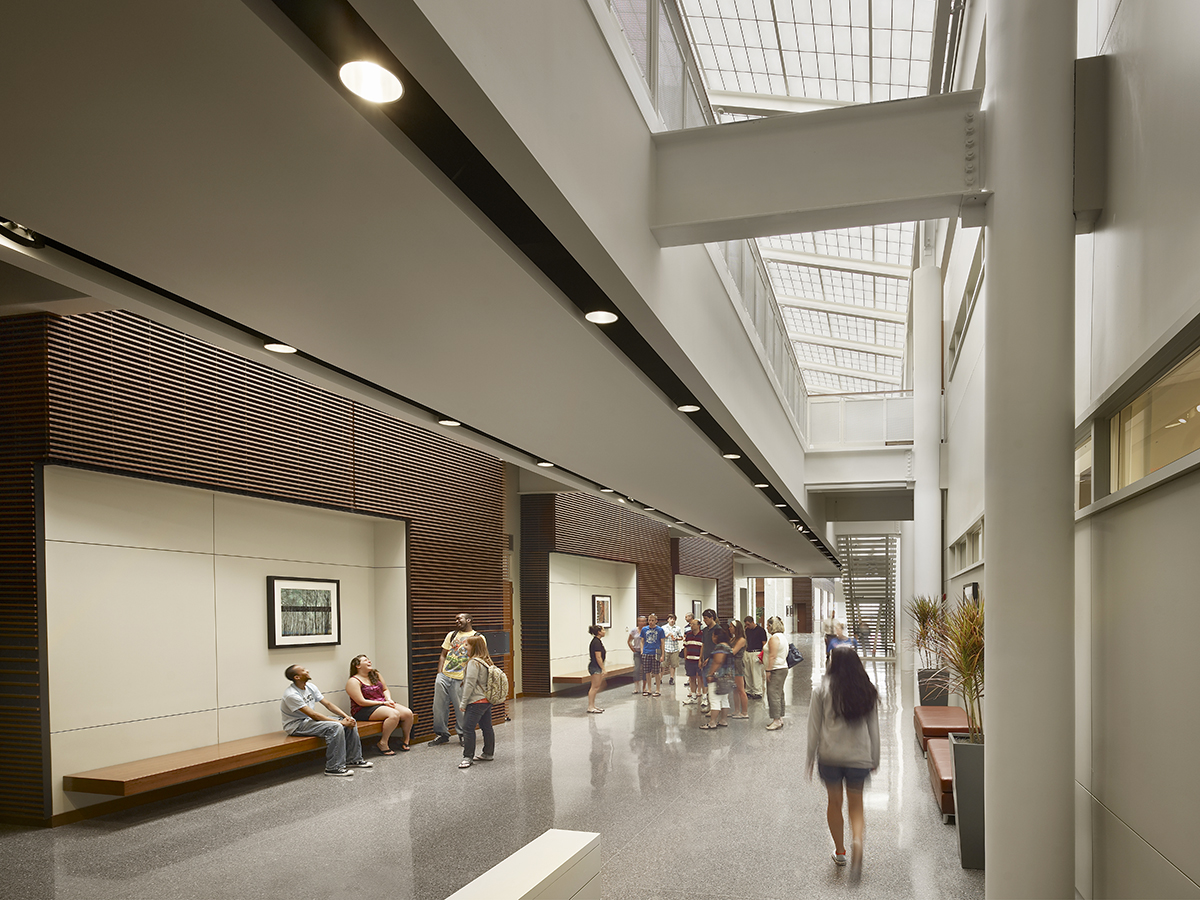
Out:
{"x": 938, "y": 722}
{"x": 940, "y": 776}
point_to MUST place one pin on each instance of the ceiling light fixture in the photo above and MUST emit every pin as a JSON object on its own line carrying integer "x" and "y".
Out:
{"x": 681, "y": 522}
{"x": 620, "y": 499}
{"x": 18, "y": 233}
{"x": 449, "y": 423}
{"x": 732, "y": 455}
{"x": 371, "y": 81}
{"x": 704, "y": 532}
{"x": 1183, "y": 421}
{"x": 277, "y": 347}
{"x": 545, "y": 465}
{"x": 688, "y": 407}
{"x": 648, "y": 509}
{"x": 606, "y": 490}
{"x": 780, "y": 505}
{"x": 762, "y": 484}
{"x": 601, "y": 317}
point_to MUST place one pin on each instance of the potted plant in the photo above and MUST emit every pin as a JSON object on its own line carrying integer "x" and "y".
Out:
{"x": 959, "y": 644}
{"x": 926, "y": 613}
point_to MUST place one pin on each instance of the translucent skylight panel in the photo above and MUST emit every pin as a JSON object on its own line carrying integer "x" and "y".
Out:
{"x": 815, "y": 353}
{"x": 818, "y": 382}
{"x": 881, "y": 243}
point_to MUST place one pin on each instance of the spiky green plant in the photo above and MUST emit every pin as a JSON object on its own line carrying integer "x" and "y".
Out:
{"x": 926, "y": 613}
{"x": 959, "y": 647}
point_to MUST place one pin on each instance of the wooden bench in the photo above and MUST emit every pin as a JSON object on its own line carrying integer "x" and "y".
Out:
{"x": 941, "y": 776}
{"x": 143, "y": 775}
{"x": 938, "y": 722}
{"x": 585, "y": 678}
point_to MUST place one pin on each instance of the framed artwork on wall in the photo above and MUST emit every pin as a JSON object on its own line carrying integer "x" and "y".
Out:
{"x": 602, "y": 610}
{"x": 303, "y": 612}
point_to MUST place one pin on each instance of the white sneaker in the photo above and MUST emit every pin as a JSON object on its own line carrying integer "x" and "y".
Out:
{"x": 343, "y": 771}
{"x": 361, "y": 764}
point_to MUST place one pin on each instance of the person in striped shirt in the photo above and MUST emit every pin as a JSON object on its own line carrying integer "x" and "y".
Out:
{"x": 693, "y": 643}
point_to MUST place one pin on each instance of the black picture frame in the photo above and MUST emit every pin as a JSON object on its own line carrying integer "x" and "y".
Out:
{"x": 602, "y": 610}
{"x": 303, "y": 612}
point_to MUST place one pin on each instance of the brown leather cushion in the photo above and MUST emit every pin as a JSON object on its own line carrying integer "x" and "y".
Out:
{"x": 940, "y": 778}
{"x": 938, "y": 721}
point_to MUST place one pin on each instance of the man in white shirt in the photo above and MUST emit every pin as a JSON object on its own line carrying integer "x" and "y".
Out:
{"x": 299, "y": 708}
{"x": 671, "y": 646}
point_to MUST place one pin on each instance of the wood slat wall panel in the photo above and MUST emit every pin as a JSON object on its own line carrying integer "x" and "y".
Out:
{"x": 127, "y": 395}
{"x": 702, "y": 558}
{"x": 24, "y": 739}
{"x": 537, "y": 543}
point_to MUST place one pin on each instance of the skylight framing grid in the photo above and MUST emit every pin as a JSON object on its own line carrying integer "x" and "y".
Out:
{"x": 845, "y": 51}
{"x": 815, "y": 325}
{"x": 890, "y": 244}
{"x": 819, "y": 382}
{"x": 846, "y": 288}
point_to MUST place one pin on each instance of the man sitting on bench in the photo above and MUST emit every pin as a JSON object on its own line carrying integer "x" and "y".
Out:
{"x": 299, "y": 705}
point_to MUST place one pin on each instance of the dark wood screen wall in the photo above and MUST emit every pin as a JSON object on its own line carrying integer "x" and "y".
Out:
{"x": 24, "y": 767}
{"x": 589, "y": 526}
{"x": 702, "y": 558}
{"x": 117, "y": 392}
{"x": 802, "y": 604}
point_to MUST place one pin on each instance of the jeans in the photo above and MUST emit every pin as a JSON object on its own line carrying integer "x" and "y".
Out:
{"x": 775, "y": 693}
{"x": 754, "y": 673}
{"x": 478, "y": 714}
{"x": 446, "y": 690}
{"x": 341, "y": 742}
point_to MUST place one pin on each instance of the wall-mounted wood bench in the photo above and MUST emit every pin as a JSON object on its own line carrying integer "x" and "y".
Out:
{"x": 143, "y": 775}
{"x": 585, "y": 678}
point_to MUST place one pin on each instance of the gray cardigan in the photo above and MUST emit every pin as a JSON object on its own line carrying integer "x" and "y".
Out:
{"x": 475, "y": 679}
{"x": 834, "y": 741}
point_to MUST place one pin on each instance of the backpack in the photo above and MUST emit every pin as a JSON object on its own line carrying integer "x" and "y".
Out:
{"x": 497, "y": 686}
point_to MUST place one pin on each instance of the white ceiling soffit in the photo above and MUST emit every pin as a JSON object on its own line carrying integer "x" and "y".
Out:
{"x": 238, "y": 178}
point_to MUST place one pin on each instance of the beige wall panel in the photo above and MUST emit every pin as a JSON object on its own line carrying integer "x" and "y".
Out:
{"x": 391, "y": 545}
{"x": 235, "y": 722}
{"x": 96, "y": 508}
{"x": 1083, "y": 842}
{"x": 1144, "y": 692}
{"x": 129, "y": 617}
{"x": 1125, "y": 866}
{"x": 246, "y": 526}
{"x": 109, "y": 745}
{"x": 391, "y": 630}
{"x": 247, "y": 672}
{"x": 573, "y": 581}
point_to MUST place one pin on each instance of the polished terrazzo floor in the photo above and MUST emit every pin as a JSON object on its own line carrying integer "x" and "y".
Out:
{"x": 682, "y": 813}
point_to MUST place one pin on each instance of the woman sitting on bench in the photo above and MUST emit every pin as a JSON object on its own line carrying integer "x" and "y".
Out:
{"x": 370, "y": 699}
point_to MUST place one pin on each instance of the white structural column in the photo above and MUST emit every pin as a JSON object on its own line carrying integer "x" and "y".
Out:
{"x": 927, "y": 426}
{"x": 1028, "y": 446}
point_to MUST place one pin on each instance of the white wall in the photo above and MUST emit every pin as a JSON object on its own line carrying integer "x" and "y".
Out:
{"x": 689, "y": 588}
{"x": 1137, "y": 277}
{"x": 573, "y": 581}
{"x": 156, "y": 614}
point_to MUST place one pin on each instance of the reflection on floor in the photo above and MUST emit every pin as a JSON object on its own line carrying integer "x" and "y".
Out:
{"x": 682, "y": 813}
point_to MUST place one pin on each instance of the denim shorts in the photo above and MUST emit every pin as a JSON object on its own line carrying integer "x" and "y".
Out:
{"x": 594, "y": 669}
{"x": 854, "y": 778}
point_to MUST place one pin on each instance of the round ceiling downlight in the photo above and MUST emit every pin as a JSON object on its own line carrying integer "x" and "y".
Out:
{"x": 688, "y": 408}
{"x": 732, "y": 455}
{"x": 545, "y": 465}
{"x": 601, "y": 317}
{"x": 449, "y": 423}
{"x": 277, "y": 347}
{"x": 371, "y": 81}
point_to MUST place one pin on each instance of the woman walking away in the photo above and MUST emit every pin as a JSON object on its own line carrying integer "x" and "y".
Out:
{"x": 776, "y": 671}
{"x": 596, "y": 656}
{"x": 370, "y": 699}
{"x": 737, "y": 644}
{"x": 477, "y": 710}
{"x": 843, "y": 739}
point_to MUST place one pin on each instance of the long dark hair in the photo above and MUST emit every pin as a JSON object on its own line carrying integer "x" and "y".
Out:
{"x": 851, "y": 690}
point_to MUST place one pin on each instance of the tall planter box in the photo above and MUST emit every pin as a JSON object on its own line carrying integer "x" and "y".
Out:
{"x": 967, "y": 766}
{"x": 931, "y": 684}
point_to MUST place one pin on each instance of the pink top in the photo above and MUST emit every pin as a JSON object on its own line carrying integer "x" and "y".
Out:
{"x": 371, "y": 692}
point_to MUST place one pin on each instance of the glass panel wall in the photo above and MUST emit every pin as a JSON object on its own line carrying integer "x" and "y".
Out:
{"x": 1160, "y": 426}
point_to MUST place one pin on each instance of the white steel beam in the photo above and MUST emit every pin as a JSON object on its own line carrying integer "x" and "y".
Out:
{"x": 871, "y": 164}
{"x": 769, "y": 104}
{"x": 841, "y": 309}
{"x": 840, "y": 263}
{"x": 851, "y": 373}
{"x": 801, "y": 337}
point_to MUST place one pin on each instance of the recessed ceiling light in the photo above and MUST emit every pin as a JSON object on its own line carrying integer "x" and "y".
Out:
{"x": 704, "y": 532}
{"x": 732, "y": 455}
{"x": 620, "y": 499}
{"x": 1183, "y": 421}
{"x": 545, "y": 465}
{"x": 371, "y": 81}
{"x": 688, "y": 407}
{"x": 762, "y": 484}
{"x": 780, "y": 505}
{"x": 601, "y": 317}
{"x": 18, "y": 233}
{"x": 276, "y": 347}
{"x": 449, "y": 423}
{"x": 606, "y": 490}
{"x": 648, "y": 509}
{"x": 681, "y": 522}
